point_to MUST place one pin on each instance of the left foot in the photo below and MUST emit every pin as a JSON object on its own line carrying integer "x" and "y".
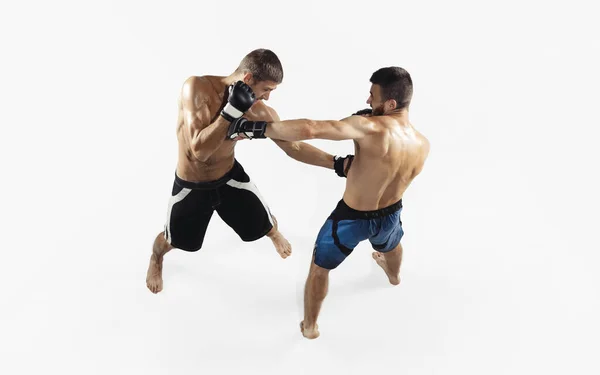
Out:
{"x": 309, "y": 333}
{"x": 380, "y": 259}
{"x": 154, "y": 280}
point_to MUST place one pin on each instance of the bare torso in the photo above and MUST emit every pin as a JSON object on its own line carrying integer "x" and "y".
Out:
{"x": 212, "y": 90}
{"x": 385, "y": 164}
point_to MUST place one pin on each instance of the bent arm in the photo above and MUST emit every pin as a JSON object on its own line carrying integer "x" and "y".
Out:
{"x": 305, "y": 153}
{"x": 301, "y": 151}
{"x": 205, "y": 137}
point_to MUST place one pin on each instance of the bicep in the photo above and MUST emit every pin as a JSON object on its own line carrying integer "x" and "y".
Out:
{"x": 194, "y": 108}
{"x": 287, "y": 146}
{"x": 273, "y": 114}
{"x": 354, "y": 127}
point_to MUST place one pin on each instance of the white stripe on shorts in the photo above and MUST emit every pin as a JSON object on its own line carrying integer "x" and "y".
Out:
{"x": 251, "y": 187}
{"x": 174, "y": 199}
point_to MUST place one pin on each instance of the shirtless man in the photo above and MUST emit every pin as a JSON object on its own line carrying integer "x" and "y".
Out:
{"x": 390, "y": 153}
{"x": 208, "y": 178}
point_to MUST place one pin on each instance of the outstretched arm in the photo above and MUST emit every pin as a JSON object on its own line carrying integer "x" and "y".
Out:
{"x": 301, "y": 151}
{"x": 353, "y": 127}
{"x": 292, "y": 131}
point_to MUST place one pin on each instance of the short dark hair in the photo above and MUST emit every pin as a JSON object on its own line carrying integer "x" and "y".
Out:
{"x": 395, "y": 84}
{"x": 263, "y": 64}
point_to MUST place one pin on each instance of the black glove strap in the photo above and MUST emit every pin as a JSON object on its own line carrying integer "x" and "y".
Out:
{"x": 350, "y": 160}
{"x": 226, "y": 116}
{"x": 338, "y": 165}
{"x": 258, "y": 129}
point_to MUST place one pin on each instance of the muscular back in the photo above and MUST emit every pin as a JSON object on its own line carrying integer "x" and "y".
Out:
{"x": 386, "y": 161}
{"x": 199, "y": 106}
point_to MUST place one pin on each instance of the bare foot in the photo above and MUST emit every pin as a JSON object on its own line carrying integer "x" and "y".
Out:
{"x": 380, "y": 259}
{"x": 309, "y": 333}
{"x": 282, "y": 245}
{"x": 154, "y": 280}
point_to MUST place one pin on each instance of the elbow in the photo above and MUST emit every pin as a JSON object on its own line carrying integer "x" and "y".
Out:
{"x": 201, "y": 156}
{"x": 199, "y": 153}
{"x": 293, "y": 150}
{"x": 309, "y": 131}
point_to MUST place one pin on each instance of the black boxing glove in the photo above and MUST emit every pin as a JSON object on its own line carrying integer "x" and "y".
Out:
{"x": 251, "y": 129}
{"x": 241, "y": 97}
{"x": 338, "y": 164}
{"x": 362, "y": 112}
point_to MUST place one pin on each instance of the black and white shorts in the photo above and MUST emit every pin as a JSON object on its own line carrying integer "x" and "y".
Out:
{"x": 235, "y": 198}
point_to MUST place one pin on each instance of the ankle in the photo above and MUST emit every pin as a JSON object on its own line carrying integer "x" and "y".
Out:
{"x": 273, "y": 234}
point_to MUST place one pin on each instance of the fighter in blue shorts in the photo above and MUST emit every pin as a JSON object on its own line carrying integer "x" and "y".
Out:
{"x": 389, "y": 154}
{"x": 346, "y": 227}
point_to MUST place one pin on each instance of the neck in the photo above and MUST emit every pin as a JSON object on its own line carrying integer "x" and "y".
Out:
{"x": 233, "y": 77}
{"x": 398, "y": 113}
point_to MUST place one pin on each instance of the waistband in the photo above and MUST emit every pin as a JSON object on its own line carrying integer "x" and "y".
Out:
{"x": 345, "y": 212}
{"x": 208, "y": 185}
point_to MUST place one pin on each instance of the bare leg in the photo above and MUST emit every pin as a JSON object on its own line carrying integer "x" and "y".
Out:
{"x": 282, "y": 245}
{"x": 314, "y": 293}
{"x": 390, "y": 262}
{"x": 154, "y": 280}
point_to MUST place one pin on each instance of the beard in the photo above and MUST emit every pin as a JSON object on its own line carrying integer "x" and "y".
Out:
{"x": 378, "y": 111}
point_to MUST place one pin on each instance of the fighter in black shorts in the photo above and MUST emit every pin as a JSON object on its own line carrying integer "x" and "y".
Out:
{"x": 208, "y": 177}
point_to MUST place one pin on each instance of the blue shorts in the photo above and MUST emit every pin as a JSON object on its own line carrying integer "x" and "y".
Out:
{"x": 346, "y": 227}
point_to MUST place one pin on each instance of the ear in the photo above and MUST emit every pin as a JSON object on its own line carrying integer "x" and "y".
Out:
{"x": 248, "y": 79}
{"x": 390, "y": 105}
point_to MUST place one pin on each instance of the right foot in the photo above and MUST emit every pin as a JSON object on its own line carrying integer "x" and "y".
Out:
{"x": 154, "y": 280}
{"x": 380, "y": 259}
{"x": 309, "y": 333}
{"x": 282, "y": 246}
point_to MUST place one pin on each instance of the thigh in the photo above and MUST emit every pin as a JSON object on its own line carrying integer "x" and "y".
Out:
{"x": 336, "y": 241}
{"x": 244, "y": 209}
{"x": 390, "y": 235}
{"x": 188, "y": 216}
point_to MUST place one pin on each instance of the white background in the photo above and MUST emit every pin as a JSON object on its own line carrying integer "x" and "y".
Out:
{"x": 500, "y": 273}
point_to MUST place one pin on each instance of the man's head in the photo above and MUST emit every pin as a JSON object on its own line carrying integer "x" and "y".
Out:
{"x": 262, "y": 71}
{"x": 391, "y": 89}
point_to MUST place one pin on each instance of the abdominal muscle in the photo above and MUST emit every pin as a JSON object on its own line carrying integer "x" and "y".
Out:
{"x": 190, "y": 168}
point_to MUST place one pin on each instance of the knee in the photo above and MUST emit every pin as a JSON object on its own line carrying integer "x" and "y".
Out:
{"x": 317, "y": 271}
{"x": 161, "y": 245}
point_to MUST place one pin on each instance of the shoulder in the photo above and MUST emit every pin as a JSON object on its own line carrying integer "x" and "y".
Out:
{"x": 197, "y": 84}
{"x": 196, "y": 90}
{"x": 368, "y": 124}
{"x": 425, "y": 144}
{"x": 264, "y": 113}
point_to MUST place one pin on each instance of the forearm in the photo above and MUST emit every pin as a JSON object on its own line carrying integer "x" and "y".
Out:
{"x": 305, "y": 153}
{"x": 209, "y": 139}
{"x": 291, "y": 130}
